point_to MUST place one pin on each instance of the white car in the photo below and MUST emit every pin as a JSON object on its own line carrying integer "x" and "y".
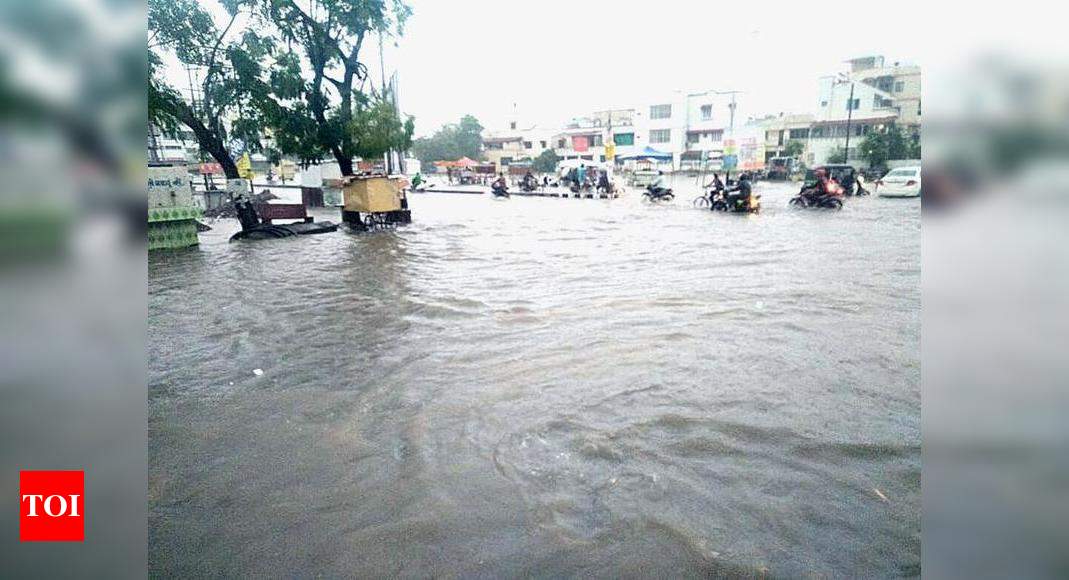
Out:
{"x": 900, "y": 182}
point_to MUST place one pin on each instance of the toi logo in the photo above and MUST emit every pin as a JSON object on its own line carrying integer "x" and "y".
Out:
{"x": 51, "y": 506}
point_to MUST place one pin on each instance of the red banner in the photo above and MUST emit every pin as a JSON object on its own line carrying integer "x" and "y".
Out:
{"x": 215, "y": 168}
{"x": 580, "y": 143}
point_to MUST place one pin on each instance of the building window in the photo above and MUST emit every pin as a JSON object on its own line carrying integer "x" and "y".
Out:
{"x": 707, "y": 112}
{"x": 660, "y": 135}
{"x": 853, "y": 105}
{"x": 506, "y": 160}
{"x": 624, "y": 139}
{"x": 596, "y": 141}
{"x": 824, "y": 103}
{"x": 512, "y": 125}
{"x": 661, "y": 112}
{"x": 603, "y": 159}
{"x": 799, "y": 133}
{"x": 692, "y": 138}
{"x": 527, "y": 145}
{"x": 818, "y": 132}
{"x": 899, "y": 86}
{"x": 560, "y": 144}
{"x": 542, "y": 144}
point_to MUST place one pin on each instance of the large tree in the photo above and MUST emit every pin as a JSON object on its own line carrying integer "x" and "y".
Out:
{"x": 463, "y": 139}
{"x": 330, "y": 35}
{"x": 184, "y": 29}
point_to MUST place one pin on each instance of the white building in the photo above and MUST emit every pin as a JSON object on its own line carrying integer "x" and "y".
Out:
{"x": 180, "y": 148}
{"x": 585, "y": 138}
{"x": 504, "y": 147}
{"x": 687, "y": 124}
{"x": 868, "y": 97}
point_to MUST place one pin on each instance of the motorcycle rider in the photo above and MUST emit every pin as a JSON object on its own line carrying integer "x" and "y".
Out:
{"x": 659, "y": 185}
{"x": 741, "y": 190}
{"x": 500, "y": 187}
{"x": 529, "y": 181}
{"x": 822, "y": 187}
{"x": 603, "y": 182}
{"x": 716, "y": 184}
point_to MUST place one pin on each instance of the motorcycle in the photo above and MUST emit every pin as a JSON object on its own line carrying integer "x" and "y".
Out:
{"x": 825, "y": 201}
{"x": 499, "y": 191}
{"x": 663, "y": 195}
{"x": 748, "y": 204}
{"x": 528, "y": 186}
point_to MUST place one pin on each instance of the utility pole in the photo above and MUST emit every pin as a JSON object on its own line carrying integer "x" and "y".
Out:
{"x": 731, "y": 109}
{"x": 849, "y": 118}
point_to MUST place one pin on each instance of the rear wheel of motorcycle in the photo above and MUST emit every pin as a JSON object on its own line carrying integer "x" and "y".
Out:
{"x": 835, "y": 204}
{"x": 700, "y": 201}
{"x": 797, "y": 202}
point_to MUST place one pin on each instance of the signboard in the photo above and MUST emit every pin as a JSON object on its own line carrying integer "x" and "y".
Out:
{"x": 169, "y": 186}
{"x": 580, "y": 143}
{"x": 211, "y": 169}
{"x": 245, "y": 167}
{"x": 750, "y": 156}
{"x": 610, "y": 151}
{"x": 730, "y": 159}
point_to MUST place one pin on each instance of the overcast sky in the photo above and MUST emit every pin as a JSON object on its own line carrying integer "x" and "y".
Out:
{"x": 558, "y": 59}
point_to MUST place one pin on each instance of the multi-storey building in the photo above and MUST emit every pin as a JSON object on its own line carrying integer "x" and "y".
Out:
{"x": 502, "y": 148}
{"x": 868, "y": 97}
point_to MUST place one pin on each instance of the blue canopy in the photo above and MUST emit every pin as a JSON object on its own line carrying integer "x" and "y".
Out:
{"x": 647, "y": 153}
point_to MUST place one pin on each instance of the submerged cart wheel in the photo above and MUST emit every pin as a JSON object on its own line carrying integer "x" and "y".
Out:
{"x": 369, "y": 222}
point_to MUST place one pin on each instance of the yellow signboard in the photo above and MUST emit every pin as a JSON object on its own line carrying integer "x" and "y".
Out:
{"x": 245, "y": 167}
{"x": 610, "y": 151}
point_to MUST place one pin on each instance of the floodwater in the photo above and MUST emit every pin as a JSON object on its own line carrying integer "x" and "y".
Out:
{"x": 543, "y": 387}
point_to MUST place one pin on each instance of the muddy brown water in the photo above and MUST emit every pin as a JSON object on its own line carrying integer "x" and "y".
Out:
{"x": 543, "y": 387}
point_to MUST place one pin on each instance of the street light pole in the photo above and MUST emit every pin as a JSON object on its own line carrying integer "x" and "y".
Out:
{"x": 849, "y": 117}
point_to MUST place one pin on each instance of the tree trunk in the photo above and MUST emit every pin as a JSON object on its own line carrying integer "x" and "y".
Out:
{"x": 209, "y": 141}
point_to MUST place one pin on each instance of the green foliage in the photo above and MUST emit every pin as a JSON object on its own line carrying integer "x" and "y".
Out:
{"x": 837, "y": 156}
{"x": 890, "y": 143}
{"x": 224, "y": 62}
{"x": 451, "y": 142}
{"x": 793, "y": 148}
{"x": 546, "y": 162}
{"x": 329, "y": 35}
{"x": 376, "y": 127}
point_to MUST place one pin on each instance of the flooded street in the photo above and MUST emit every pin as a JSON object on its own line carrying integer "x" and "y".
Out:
{"x": 549, "y": 387}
